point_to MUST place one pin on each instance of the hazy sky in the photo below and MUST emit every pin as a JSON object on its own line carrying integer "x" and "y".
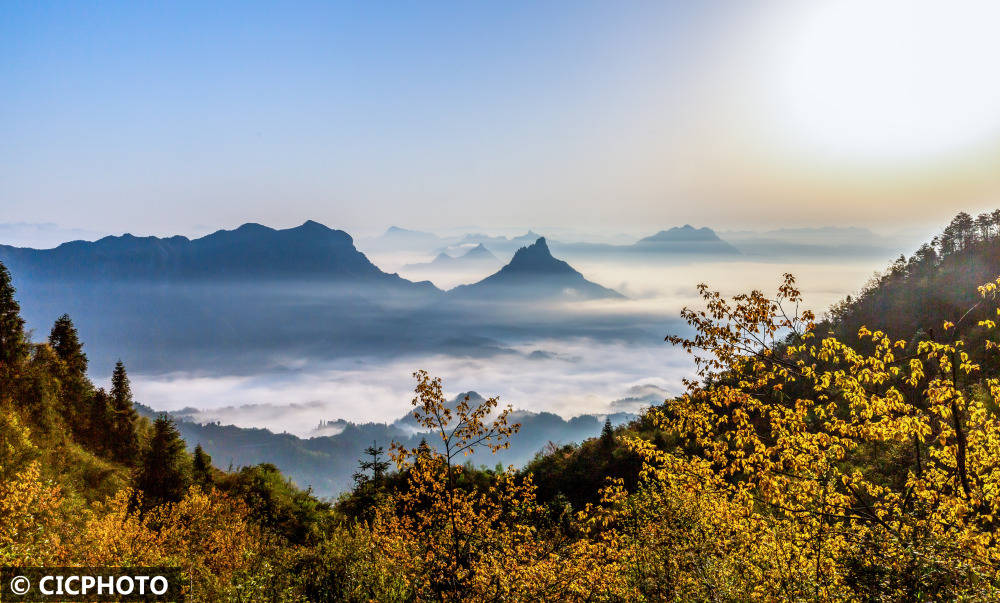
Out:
{"x": 182, "y": 117}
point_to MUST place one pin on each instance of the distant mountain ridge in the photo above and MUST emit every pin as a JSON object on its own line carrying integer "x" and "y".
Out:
{"x": 827, "y": 242}
{"x": 326, "y": 462}
{"x": 533, "y": 273}
{"x": 678, "y": 241}
{"x": 256, "y": 296}
{"x": 682, "y": 234}
{"x": 477, "y": 256}
{"x": 310, "y": 251}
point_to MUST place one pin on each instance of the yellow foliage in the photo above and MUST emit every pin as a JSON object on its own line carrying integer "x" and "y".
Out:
{"x": 30, "y": 520}
{"x": 794, "y": 431}
{"x": 467, "y": 542}
{"x": 206, "y": 534}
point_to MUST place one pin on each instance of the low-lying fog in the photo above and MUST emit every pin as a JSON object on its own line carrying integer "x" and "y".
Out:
{"x": 528, "y": 367}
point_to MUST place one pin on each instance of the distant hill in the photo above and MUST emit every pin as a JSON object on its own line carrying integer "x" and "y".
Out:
{"x": 234, "y": 298}
{"x": 690, "y": 237}
{"x": 257, "y": 299}
{"x": 403, "y": 239}
{"x": 681, "y": 241}
{"x": 913, "y": 296}
{"x": 825, "y": 242}
{"x": 502, "y": 245}
{"x": 477, "y": 257}
{"x": 326, "y": 462}
{"x": 479, "y": 238}
{"x": 534, "y": 274}
{"x": 251, "y": 252}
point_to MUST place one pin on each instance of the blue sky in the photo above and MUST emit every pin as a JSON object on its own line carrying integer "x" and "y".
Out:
{"x": 183, "y": 117}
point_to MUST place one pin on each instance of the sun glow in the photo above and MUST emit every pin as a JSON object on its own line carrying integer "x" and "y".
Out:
{"x": 887, "y": 81}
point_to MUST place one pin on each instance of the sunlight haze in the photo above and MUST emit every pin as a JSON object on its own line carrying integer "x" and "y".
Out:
{"x": 156, "y": 120}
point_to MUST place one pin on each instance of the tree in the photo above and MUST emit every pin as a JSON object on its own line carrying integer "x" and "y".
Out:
{"x": 862, "y": 459}
{"x": 38, "y": 391}
{"x": 165, "y": 473}
{"x": 376, "y": 466}
{"x": 100, "y": 423}
{"x": 13, "y": 343}
{"x": 607, "y": 434}
{"x": 984, "y": 226}
{"x": 124, "y": 438}
{"x": 207, "y": 534}
{"x": 201, "y": 467}
{"x": 367, "y": 492}
{"x": 66, "y": 342}
{"x": 76, "y": 390}
{"x": 454, "y": 541}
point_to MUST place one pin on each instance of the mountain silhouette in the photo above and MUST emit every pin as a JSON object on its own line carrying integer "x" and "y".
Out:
{"x": 252, "y": 252}
{"x": 534, "y": 274}
{"x": 480, "y": 252}
{"x": 678, "y": 241}
{"x": 682, "y": 234}
{"x": 476, "y": 257}
{"x": 396, "y": 239}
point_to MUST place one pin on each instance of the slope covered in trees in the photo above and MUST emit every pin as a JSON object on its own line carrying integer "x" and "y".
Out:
{"x": 325, "y": 463}
{"x": 940, "y": 279}
{"x": 86, "y": 481}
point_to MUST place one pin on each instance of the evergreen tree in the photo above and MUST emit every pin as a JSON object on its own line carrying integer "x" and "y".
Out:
{"x": 608, "y": 434}
{"x": 38, "y": 391}
{"x": 165, "y": 473}
{"x": 66, "y": 342}
{"x": 424, "y": 448}
{"x": 76, "y": 390}
{"x": 13, "y": 343}
{"x": 201, "y": 467}
{"x": 99, "y": 422}
{"x": 376, "y": 466}
{"x": 124, "y": 438}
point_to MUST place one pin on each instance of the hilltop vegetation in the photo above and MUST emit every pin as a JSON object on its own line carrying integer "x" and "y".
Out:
{"x": 827, "y": 461}
{"x": 939, "y": 280}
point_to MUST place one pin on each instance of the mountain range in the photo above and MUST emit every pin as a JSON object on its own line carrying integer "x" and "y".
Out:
{"x": 311, "y": 252}
{"x": 251, "y": 252}
{"x": 679, "y": 241}
{"x": 477, "y": 257}
{"x": 243, "y": 299}
{"x": 326, "y": 462}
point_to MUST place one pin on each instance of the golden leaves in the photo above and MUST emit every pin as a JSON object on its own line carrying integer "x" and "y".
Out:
{"x": 785, "y": 416}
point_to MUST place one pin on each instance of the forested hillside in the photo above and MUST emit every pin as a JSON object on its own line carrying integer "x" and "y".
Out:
{"x": 852, "y": 459}
{"x": 939, "y": 280}
{"x": 86, "y": 481}
{"x": 326, "y": 463}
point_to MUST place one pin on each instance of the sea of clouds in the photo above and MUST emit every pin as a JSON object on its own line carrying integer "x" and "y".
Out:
{"x": 566, "y": 375}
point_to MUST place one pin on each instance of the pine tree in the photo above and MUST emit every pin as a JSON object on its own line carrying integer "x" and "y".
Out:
{"x": 99, "y": 422}
{"x": 124, "y": 438}
{"x": 608, "y": 434}
{"x": 13, "y": 342}
{"x": 376, "y": 466}
{"x": 201, "y": 467}
{"x": 76, "y": 390}
{"x": 39, "y": 393}
{"x": 165, "y": 473}
{"x": 66, "y": 342}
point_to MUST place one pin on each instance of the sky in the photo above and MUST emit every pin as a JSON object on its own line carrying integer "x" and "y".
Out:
{"x": 184, "y": 117}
